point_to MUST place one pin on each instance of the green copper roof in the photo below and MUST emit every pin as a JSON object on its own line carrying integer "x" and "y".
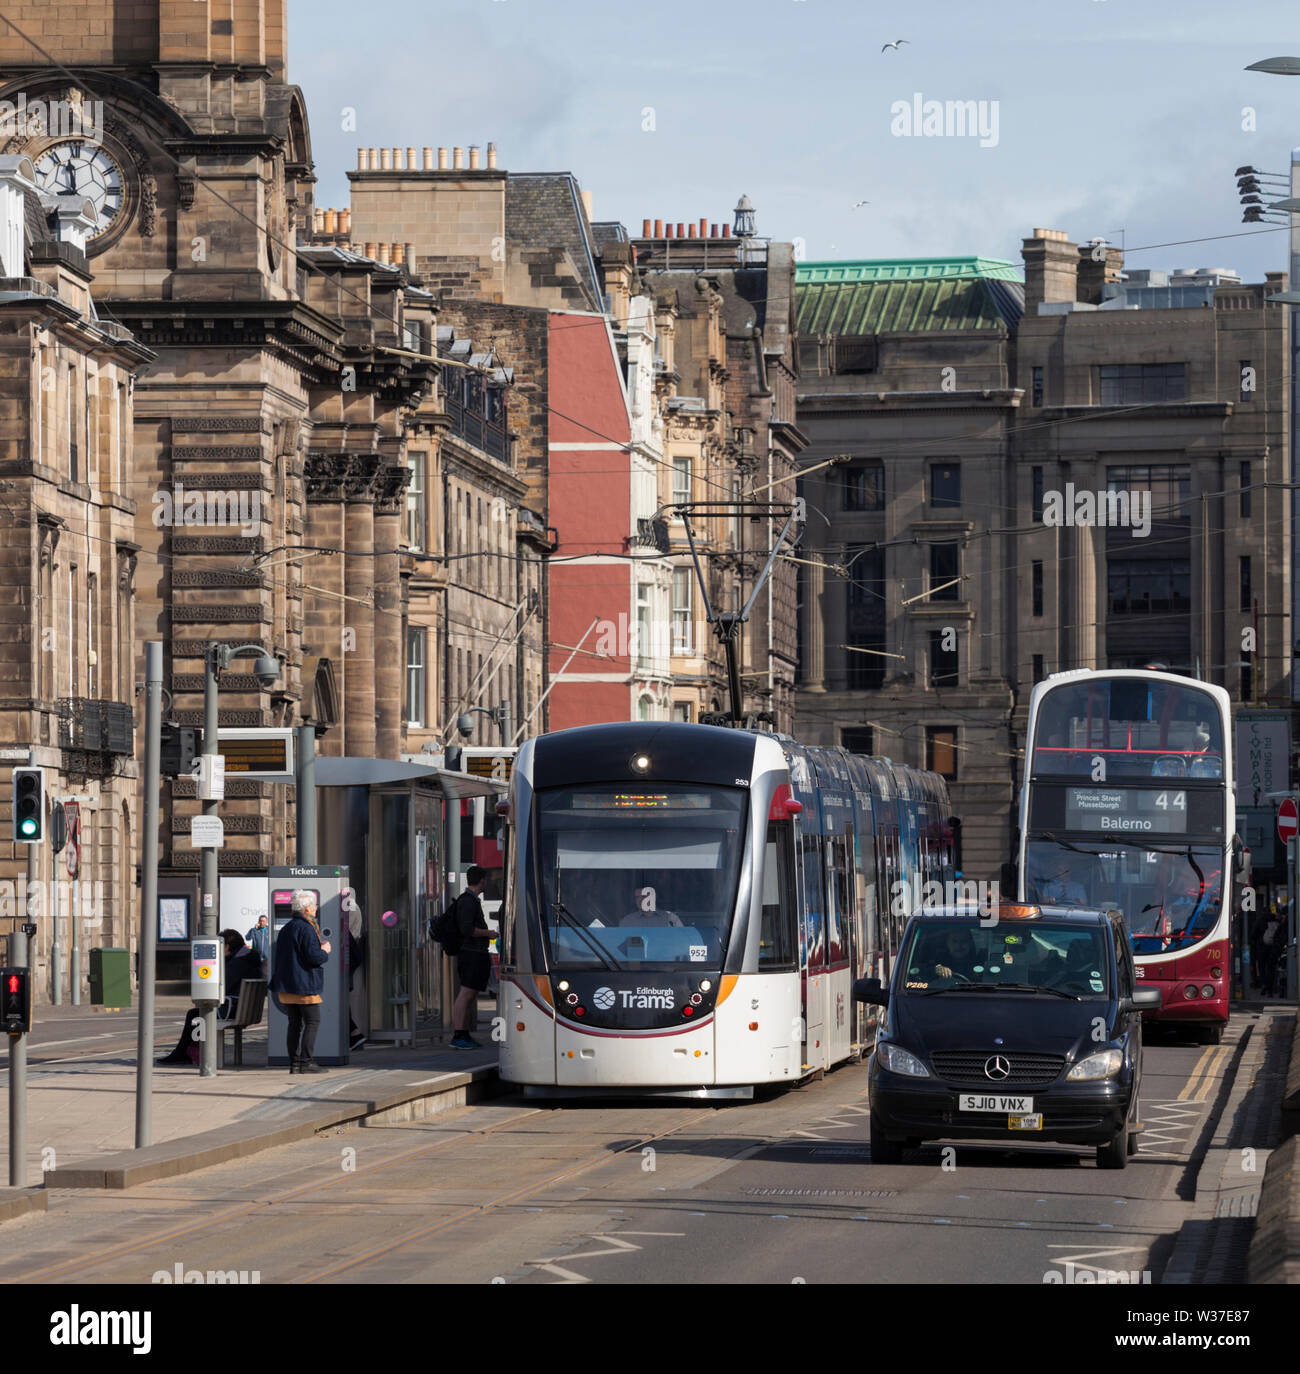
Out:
{"x": 907, "y": 295}
{"x": 905, "y": 269}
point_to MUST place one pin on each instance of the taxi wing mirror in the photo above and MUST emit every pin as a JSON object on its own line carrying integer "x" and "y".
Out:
{"x": 870, "y": 990}
{"x": 1145, "y": 999}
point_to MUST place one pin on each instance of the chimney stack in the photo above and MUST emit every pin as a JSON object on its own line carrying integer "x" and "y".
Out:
{"x": 1094, "y": 274}
{"x": 1051, "y": 269}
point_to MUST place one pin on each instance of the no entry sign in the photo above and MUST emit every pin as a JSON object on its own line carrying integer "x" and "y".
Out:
{"x": 1288, "y": 821}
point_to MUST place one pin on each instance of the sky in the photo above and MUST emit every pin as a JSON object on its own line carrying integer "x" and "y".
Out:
{"x": 1124, "y": 119}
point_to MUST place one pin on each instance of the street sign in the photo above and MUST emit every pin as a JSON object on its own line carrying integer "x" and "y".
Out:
{"x": 207, "y": 832}
{"x": 58, "y": 828}
{"x": 1288, "y": 820}
{"x": 72, "y": 815}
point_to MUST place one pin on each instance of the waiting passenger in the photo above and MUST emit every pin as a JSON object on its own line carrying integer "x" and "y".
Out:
{"x": 241, "y": 963}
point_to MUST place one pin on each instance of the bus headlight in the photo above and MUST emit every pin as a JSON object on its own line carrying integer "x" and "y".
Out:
{"x": 1104, "y": 1065}
{"x": 898, "y": 1060}
{"x": 1207, "y": 991}
{"x": 1190, "y": 991}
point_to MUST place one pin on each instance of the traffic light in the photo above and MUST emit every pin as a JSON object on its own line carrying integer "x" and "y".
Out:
{"x": 16, "y": 999}
{"x": 179, "y": 747}
{"x": 29, "y": 805}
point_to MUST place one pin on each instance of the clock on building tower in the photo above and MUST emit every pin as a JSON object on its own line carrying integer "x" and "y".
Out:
{"x": 76, "y": 167}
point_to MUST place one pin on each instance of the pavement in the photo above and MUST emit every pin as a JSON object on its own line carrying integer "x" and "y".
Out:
{"x": 81, "y": 1098}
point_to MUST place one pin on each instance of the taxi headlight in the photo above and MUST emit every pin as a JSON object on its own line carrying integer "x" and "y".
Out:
{"x": 898, "y": 1060}
{"x": 1104, "y": 1065}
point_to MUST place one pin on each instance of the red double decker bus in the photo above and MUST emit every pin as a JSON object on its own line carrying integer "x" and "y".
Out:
{"x": 1128, "y": 804}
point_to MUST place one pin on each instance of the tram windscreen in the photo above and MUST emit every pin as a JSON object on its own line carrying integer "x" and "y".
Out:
{"x": 635, "y": 876}
{"x": 1171, "y": 896}
{"x": 1140, "y": 728}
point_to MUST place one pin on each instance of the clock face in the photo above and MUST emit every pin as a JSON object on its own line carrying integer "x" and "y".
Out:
{"x": 78, "y": 168}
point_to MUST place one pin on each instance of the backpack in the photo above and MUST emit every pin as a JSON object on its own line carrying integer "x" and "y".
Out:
{"x": 445, "y": 929}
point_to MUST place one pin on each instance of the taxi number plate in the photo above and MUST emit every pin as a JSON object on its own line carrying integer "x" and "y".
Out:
{"x": 1025, "y": 1123}
{"x": 978, "y": 1102}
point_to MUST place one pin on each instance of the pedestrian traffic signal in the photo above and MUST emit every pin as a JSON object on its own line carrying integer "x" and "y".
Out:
{"x": 179, "y": 747}
{"x": 16, "y": 1000}
{"x": 29, "y": 805}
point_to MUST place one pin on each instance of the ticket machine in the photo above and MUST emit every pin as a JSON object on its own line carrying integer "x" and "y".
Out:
{"x": 329, "y": 884}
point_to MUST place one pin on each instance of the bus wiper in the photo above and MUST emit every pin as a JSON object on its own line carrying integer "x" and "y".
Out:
{"x": 595, "y": 946}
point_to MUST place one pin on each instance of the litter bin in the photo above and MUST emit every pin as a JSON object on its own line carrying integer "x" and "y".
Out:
{"x": 110, "y": 977}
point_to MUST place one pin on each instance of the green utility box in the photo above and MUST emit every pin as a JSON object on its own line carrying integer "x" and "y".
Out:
{"x": 110, "y": 977}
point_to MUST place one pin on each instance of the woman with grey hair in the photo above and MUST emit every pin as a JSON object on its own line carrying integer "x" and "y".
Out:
{"x": 299, "y": 980}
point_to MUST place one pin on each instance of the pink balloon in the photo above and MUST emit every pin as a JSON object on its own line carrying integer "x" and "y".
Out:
{"x": 389, "y": 918}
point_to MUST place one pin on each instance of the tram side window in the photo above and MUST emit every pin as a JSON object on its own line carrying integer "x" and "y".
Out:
{"x": 776, "y": 948}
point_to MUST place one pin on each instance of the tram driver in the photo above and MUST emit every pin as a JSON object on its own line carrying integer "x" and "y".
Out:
{"x": 647, "y": 911}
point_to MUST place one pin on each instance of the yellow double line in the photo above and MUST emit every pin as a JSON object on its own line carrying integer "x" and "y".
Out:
{"x": 1204, "y": 1074}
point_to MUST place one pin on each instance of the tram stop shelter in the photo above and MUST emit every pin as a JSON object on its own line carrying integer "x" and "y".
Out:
{"x": 394, "y": 824}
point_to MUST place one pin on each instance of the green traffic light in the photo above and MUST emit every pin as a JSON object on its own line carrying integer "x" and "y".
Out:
{"x": 28, "y": 827}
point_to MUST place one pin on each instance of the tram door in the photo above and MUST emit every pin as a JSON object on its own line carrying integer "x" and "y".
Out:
{"x": 814, "y": 942}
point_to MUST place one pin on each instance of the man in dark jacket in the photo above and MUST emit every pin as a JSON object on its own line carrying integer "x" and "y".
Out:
{"x": 241, "y": 963}
{"x": 299, "y": 981}
{"x": 474, "y": 962}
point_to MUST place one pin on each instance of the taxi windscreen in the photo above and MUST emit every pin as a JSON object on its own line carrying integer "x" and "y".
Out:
{"x": 1067, "y": 960}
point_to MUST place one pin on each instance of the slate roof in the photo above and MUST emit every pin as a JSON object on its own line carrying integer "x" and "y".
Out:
{"x": 907, "y": 295}
{"x": 544, "y": 210}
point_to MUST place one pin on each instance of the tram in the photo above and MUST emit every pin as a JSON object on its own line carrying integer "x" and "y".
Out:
{"x": 687, "y": 906}
{"x": 1128, "y": 804}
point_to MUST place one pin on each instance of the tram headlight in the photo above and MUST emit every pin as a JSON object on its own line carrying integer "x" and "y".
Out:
{"x": 563, "y": 987}
{"x": 641, "y": 763}
{"x": 1104, "y": 1065}
{"x": 705, "y": 985}
{"x": 1207, "y": 991}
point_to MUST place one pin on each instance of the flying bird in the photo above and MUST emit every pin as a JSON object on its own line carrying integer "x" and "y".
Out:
{"x": 896, "y": 44}
{"x": 858, "y": 203}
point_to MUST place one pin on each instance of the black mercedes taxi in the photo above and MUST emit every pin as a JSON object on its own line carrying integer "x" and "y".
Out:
{"x": 1020, "y": 1024}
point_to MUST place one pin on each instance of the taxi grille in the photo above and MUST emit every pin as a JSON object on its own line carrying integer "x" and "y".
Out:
{"x": 967, "y": 1066}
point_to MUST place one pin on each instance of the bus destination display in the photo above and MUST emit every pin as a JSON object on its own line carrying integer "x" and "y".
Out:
{"x": 1126, "y": 810}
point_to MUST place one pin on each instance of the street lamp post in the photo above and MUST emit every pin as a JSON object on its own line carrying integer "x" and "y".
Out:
{"x": 216, "y": 661}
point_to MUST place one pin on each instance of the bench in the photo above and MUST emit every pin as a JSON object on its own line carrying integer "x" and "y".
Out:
{"x": 249, "y": 1010}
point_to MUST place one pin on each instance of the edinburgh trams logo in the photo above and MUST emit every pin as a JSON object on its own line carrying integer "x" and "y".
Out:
{"x": 643, "y": 999}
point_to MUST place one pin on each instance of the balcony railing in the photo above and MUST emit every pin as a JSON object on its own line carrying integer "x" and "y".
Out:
{"x": 98, "y": 727}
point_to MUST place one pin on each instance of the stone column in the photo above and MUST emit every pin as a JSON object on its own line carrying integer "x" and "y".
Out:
{"x": 358, "y": 587}
{"x": 815, "y": 667}
{"x": 390, "y": 651}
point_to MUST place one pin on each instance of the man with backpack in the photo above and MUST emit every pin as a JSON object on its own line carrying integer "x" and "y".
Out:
{"x": 463, "y": 931}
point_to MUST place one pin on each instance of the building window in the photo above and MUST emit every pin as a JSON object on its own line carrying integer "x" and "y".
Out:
{"x": 682, "y": 712}
{"x": 92, "y": 636}
{"x": 1143, "y": 383}
{"x": 1037, "y": 577}
{"x": 1145, "y": 588}
{"x": 1247, "y": 375}
{"x": 1040, "y": 672}
{"x": 943, "y": 662}
{"x": 682, "y": 611}
{"x": 1243, "y": 583}
{"x": 941, "y": 750}
{"x": 415, "y": 677}
{"x": 945, "y": 572}
{"x": 1247, "y": 689}
{"x": 1037, "y": 396}
{"x": 681, "y": 481}
{"x": 415, "y": 516}
{"x": 855, "y": 354}
{"x": 864, "y": 486}
{"x": 645, "y": 708}
{"x": 864, "y": 627}
{"x": 644, "y": 649}
{"x": 1036, "y": 497}
{"x": 1170, "y": 487}
{"x": 945, "y": 485}
{"x": 861, "y": 739}
{"x": 1245, "y": 489}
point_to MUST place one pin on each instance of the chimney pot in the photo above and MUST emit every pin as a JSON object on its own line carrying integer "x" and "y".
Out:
{"x": 668, "y": 231}
{"x": 726, "y": 231}
{"x": 713, "y": 231}
{"x": 645, "y": 228}
{"x": 412, "y": 159}
{"x": 442, "y": 159}
{"x": 681, "y": 231}
{"x": 409, "y": 250}
{"x": 473, "y": 157}
{"x": 385, "y": 159}
{"x": 331, "y": 221}
{"x": 428, "y": 159}
{"x": 457, "y": 159}
{"x": 399, "y": 253}
{"x": 372, "y": 252}
{"x": 704, "y": 228}
{"x": 363, "y": 159}
{"x": 492, "y": 155}
{"x": 385, "y": 252}
{"x": 345, "y": 221}
{"x": 399, "y": 159}
{"x": 690, "y": 230}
